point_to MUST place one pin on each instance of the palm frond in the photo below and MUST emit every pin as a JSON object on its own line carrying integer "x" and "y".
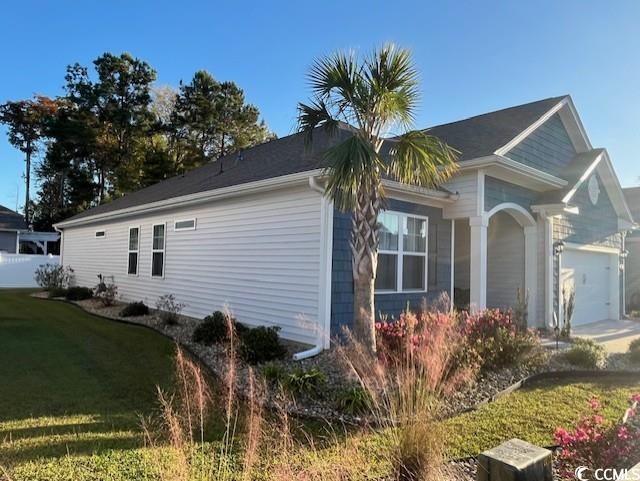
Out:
{"x": 419, "y": 159}
{"x": 353, "y": 164}
{"x": 339, "y": 71}
{"x": 394, "y": 83}
{"x": 315, "y": 114}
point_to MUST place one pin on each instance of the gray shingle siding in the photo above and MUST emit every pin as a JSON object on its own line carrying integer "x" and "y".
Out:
{"x": 388, "y": 304}
{"x": 548, "y": 148}
{"x": 498, "y": 191}
{"x": 8, "y": 242}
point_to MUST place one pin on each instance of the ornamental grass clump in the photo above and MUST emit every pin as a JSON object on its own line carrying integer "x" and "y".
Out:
{"x": 415, "y": 368}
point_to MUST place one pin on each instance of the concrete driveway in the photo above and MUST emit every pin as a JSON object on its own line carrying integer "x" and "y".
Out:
{"x": 615, "y": 336}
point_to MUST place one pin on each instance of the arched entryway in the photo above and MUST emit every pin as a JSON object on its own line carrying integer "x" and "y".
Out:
{"x": 510, "y": 254}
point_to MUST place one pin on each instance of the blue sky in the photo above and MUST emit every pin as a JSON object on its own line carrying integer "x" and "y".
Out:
{"x": 473, "y": 56}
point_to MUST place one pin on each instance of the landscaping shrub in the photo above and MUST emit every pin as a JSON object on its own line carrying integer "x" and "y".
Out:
{"x": 214, "y": 329}
{"x": 57, "y": 292}
{"x": 595, "y": 444}
{"x": 261, "y": 344}
{"x": 354, "y": 400}
{"x": 49, "y": 276}
{"x": 134, "y": 309}
{"x": 587, "y": 354}
{"x": 79, "y": 293}
{"x": 634, "y": 351}
{"x": 304, "y": 382}
{"x": 169, "y": 309}
{"x": 494, "y": 340}
{"x": 106, "y": 291}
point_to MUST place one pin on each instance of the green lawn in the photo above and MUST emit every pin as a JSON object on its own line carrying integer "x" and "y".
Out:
{"x": 73, "y": 385}
{"x": 534, "y": 412}
{"x": 72, "y": 388}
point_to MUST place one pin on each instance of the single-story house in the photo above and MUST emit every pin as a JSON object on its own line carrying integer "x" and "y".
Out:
{"x": 533, "y": 206}
{"x": 17, "y": 238}
{"x": 632, "y": 245}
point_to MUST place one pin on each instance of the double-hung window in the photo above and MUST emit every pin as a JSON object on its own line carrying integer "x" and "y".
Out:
{"x": 402, "y": 253}
{"x": 134, "y": 250}
{"x": 157, "y": 252}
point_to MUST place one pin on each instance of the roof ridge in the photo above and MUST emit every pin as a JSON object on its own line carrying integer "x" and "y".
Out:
{"x": 492, "y": 112}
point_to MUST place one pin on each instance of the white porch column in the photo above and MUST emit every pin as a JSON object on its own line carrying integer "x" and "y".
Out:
{"x": 478, "y": 262}
{"x": 548, "y": 274}
{"x": 531, "y": 271}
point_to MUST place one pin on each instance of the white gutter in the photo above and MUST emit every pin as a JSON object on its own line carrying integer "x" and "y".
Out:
{"x": 191, "y": 199}
{"x": 519, "y": 168}
{"x": 321, "y": 342}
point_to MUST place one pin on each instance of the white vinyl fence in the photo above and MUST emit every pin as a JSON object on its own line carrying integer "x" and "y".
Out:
{"x": 17, "y": 270}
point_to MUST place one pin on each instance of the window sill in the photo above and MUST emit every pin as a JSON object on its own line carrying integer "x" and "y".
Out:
{"x": 412, "y": 291}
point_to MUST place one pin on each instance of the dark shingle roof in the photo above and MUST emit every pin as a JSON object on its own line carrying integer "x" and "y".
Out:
{"x": 11, "y": 220}
{"x": 484, "y": 134}
{"x": 473, "y": 137}
{"x": 571, "y": 173}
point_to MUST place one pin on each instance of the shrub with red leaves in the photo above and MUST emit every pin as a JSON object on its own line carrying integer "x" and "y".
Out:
{"x": 596, "y": 444}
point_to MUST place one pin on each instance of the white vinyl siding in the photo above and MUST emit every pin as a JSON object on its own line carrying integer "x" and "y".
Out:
{"x": 466, "y": 185}
{"x": 258, "y": 254}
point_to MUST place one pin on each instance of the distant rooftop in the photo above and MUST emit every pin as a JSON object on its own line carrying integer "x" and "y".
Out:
{"x": 11, "y": 220}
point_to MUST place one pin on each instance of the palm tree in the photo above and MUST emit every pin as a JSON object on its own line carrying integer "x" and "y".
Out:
{"x": 376, "y": 96}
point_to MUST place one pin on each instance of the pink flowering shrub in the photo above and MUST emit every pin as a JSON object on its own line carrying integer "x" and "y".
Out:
{"x": 492, "y": 334}
{"x": 484, "y": 340}
{"x": 596, "y": 444}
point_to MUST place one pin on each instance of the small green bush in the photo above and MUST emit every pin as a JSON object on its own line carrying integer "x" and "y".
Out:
{"x": 273, "y": 373}
{"x": 79, "y": 293}
{"x": 354, "y": 400}
{"x": 134, "y": 309}
{"x": 586, "y": 353}
{"x": 57, "y": 292}
{"x": 261, "y": 344}
{"x": 212, "y": 330}
{"x": 306, "y": 382}
{"x": 50, "y": 276}
{"x": 634, "y": 351}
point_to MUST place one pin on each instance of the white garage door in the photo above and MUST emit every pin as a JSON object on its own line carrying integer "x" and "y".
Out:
{"x": 590, "y": 274}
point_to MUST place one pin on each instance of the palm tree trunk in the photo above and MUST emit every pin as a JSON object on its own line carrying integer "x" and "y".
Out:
{"x": 364, "y": 250}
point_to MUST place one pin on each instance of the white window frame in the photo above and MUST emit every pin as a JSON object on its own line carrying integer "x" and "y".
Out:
{"x": 163, "y": 250}
{"x": 104, "y": 234}
{"x": 179, "y": 229}
{"x": 402, "y": 223}
{"x": 130, "y": 251}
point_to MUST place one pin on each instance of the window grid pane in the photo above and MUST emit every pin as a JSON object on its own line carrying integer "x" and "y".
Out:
{"x": 133, "y": 263}
{"x": 413, "y": 273}
{"x": 157, "y": 264}
{"x": 158, "y": 237}
{"x": 386, "y": 276}
{"x": 388, "y": 231}
{"x": 415, "y": 235}
{"x": 133, "y": 239}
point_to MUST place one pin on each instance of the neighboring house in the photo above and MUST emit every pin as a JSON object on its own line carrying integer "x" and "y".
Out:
{"x": 254, "y": 230}
{"x": 22, "y": 250}
{"x": 16, "y": 238}
{"x": 632, "y": 244}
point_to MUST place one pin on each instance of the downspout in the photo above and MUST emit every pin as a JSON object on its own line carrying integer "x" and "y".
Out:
{"x": 61, "y": 232}
{"x": 326, "y": 250}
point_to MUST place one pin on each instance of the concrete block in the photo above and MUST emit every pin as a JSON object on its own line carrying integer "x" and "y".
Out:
{"x": 515, "y": 460}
